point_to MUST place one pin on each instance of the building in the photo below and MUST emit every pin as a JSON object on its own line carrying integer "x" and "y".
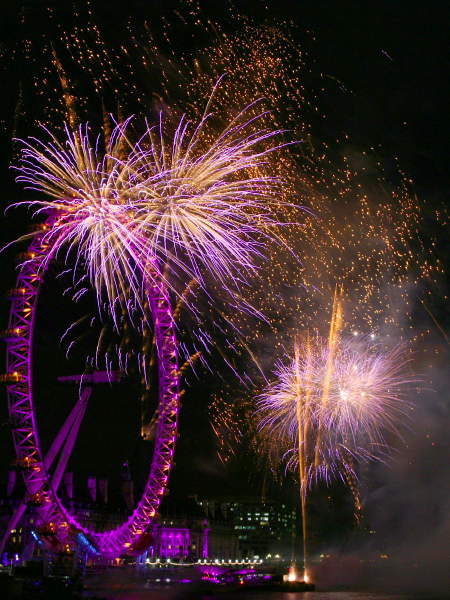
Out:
{"x": 261, "y": 527}
{"x": 180, "y": 539}
{"x": 175, "y": 538}
{"x": 224, "y": 529}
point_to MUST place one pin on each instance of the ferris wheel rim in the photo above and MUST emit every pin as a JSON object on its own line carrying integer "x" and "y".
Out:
{"x": 21, "y": 408}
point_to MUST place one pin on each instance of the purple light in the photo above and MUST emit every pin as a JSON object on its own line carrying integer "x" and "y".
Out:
{"x": 135, "y": 217}
{"x": 203, "y": 202}
{"x": 332, "y": 411}
{"x": 21, "y": 409}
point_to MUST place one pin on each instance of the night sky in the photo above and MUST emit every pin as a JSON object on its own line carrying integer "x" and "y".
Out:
{"x": 385, "y": 68}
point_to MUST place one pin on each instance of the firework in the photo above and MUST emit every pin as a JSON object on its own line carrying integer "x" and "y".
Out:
{"x": 363, "y": 401}
{"x": 331, "y": 405}
{"x": 208, "y": 202}
{"x": 194, "y": 204}
{"x": 90, "y": 193}
{"x": 335, "y": 401}
{"x": 362, "y": 231}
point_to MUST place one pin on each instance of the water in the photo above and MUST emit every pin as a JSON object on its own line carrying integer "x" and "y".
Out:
{"x": 183, "y": 584}
{"x": 171, "y": 593}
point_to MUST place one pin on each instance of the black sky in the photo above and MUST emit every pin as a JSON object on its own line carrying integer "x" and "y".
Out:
{"x": 386, "y": 63}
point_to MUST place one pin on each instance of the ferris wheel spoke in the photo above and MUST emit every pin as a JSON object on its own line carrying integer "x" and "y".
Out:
{"x": 62, "y": 435}
{"x": 70, "y": 440}
{"x": 67, "y": 429}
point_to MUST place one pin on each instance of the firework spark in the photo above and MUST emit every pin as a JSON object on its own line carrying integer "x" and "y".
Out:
{"x": 208, "y": 203}
{"x": 332, "y": 405}
{"x": 90, "y": 193}
{"x": 363, "y": 231}
{"x": 201, "y": 202}
{"x": 327, "y": 413}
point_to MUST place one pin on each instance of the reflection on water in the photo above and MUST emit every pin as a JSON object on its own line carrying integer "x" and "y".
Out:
{"x": 185, "y": 583}
{"x": 188, "y": 593}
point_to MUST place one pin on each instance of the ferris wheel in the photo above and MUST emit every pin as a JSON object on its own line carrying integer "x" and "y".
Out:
{"x": 195, "y": 203}
{"x": 56, "y": 527}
